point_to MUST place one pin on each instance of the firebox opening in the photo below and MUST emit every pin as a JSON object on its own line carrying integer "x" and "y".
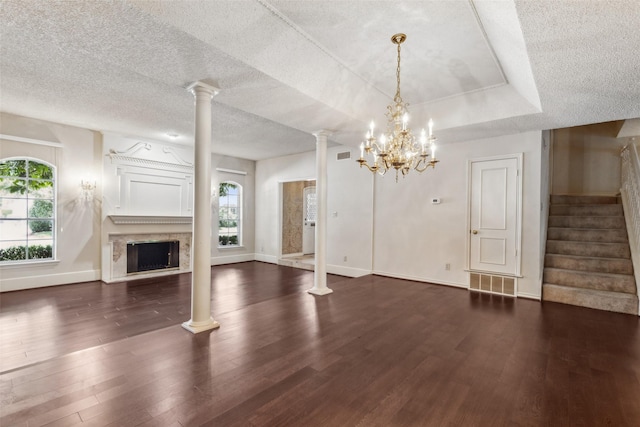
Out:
{"x": 151, "y": 256}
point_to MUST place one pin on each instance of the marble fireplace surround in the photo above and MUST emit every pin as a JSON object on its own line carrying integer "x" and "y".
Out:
{"x": 162, "y": 231}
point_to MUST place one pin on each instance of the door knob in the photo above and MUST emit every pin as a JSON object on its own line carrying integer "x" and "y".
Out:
{"x": 475, "y": 231}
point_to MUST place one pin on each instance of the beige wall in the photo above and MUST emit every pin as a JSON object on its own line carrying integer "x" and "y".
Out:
{"x": 586, "y": 159}
{"x": 247, "y": 179}
{"x": 81, "y": 224}
{"x": 76, "y": 154}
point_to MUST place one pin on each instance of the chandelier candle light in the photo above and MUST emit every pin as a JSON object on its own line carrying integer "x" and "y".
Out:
{"x": 398, "y": 148}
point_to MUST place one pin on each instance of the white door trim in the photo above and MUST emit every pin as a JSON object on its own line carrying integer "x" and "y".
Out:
{"x": 518, "y": 236}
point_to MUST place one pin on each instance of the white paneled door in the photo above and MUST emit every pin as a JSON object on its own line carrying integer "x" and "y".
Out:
{"x": 494, "y": 215}
{"x": 309, "y": 221}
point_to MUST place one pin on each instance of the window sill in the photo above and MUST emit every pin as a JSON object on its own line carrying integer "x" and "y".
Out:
{"x": 18, "y": 264}
{"x": 231, "y": 247}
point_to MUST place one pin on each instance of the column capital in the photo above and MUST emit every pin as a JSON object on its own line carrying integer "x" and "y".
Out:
{"x": 322, "y": 133}
{"x": 202, "y": 87}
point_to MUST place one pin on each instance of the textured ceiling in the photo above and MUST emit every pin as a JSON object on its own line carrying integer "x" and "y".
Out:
{"x": 288, "y": 68}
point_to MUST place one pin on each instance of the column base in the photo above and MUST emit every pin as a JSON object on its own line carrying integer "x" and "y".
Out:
{"x": 197, "y": 327}
{"x": 320, "y": 292}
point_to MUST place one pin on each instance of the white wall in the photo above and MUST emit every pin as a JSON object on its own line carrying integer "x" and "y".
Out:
{"x": 415, "y": 239}
{"x": 349, "y": 206}
{"x": 587, "y": 160}
{"x": 269, "y": 174}
{"x": 349, "y": 215}
{"x": 78, "y": 221}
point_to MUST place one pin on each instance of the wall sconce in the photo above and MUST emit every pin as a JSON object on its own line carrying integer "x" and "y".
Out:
{"x": 88, "y": 188}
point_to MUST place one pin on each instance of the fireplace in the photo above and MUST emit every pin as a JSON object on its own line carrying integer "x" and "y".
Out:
{"x": 144, "y": 256}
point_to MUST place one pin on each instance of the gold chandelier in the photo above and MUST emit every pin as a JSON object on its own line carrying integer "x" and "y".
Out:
{"x": 398, "y": 148}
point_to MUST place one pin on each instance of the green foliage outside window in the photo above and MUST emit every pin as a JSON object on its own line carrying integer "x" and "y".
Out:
{"x": 229, "y": 219}
{"x": 26, "y": 233}
{"x": 41, "y": 209}
{"x": 17, "y": 253}
{"x": 14, "y": 172}
{"x": 227, "y": 223}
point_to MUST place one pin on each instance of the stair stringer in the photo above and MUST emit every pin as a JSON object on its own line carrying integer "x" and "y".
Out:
{"x": 630, "y": 195}
{"x": 634, "y": 244}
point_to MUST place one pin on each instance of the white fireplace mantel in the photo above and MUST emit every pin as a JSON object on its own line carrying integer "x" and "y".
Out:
{"x": 149, "y": 219}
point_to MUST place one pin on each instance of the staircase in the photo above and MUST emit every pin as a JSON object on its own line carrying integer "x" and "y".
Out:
{"x": 588, "y": 260}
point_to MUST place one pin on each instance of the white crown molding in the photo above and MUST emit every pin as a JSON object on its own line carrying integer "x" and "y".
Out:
{"x": 131, "y": 150}
{"x": 125, "y": 157}
{"x": 136, "y": 161}
{"x": 233, "y": 171}
{"x": 180, "y": 160}
{"x": 30, "y": 140}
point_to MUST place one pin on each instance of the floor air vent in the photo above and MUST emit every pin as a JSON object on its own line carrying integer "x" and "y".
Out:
{"x": 492, "y": 283}
{"x": 344, "y": 155}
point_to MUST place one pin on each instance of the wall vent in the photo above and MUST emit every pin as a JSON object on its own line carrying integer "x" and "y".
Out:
{"x": 344, "y": 155}
{"x": 485, "y": 282}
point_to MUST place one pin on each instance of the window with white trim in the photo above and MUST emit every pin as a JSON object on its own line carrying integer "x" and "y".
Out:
{"x": 230, "y": 214}
{"x": 27, "y": 210}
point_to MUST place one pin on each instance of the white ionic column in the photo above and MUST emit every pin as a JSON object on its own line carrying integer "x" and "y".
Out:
{"x": 201, "y": 319}
{"x": 320, "y": 273}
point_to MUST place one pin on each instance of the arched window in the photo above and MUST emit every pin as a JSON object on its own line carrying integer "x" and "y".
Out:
{"x": 230, "y": 214}
{"x": 27, "y": 210}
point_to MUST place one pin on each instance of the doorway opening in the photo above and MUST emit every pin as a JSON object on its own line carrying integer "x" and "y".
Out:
{"x": 298, "y": 224}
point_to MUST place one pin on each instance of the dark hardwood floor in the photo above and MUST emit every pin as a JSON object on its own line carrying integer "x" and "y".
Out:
{"x": 376, "y": 352}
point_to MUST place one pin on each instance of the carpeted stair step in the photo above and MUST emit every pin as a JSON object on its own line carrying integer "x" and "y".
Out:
{"x": 593, "y": 249}
{"x": 588, "y": 260}
{"x": 568, "y": 221}
{"x": 588, "y": 235}
{"x": 601, "y": 300}
{"x": 594, "y": 264}
{"x": 589, "y": 280}
{"x": 584, "y": 200}
{"x": 586, "y": 210}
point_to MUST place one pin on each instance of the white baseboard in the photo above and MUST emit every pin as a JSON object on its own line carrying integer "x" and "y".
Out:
{"x": 150, "y": 274}
{"x": 231, "y": 259}
{"x": 421, "y": 279}
{"x": 266, "y": 258}
{"x": 347, "y": 271}
{"x": 292, "y": 254}
{"x": 44, "y": 280}
{"x": 529, "y": 296}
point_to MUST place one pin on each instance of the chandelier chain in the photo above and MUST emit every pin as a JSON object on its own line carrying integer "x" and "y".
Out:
{"x": 398, "y": 98}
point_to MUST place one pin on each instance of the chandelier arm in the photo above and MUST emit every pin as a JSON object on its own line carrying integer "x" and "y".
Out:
{"x": 375, "y": 145}
{"x": 385, "y": 163}
{"x": 363, "y": 162}
{"x": 420, "y": 170}
{"x": 427, "y": 164}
